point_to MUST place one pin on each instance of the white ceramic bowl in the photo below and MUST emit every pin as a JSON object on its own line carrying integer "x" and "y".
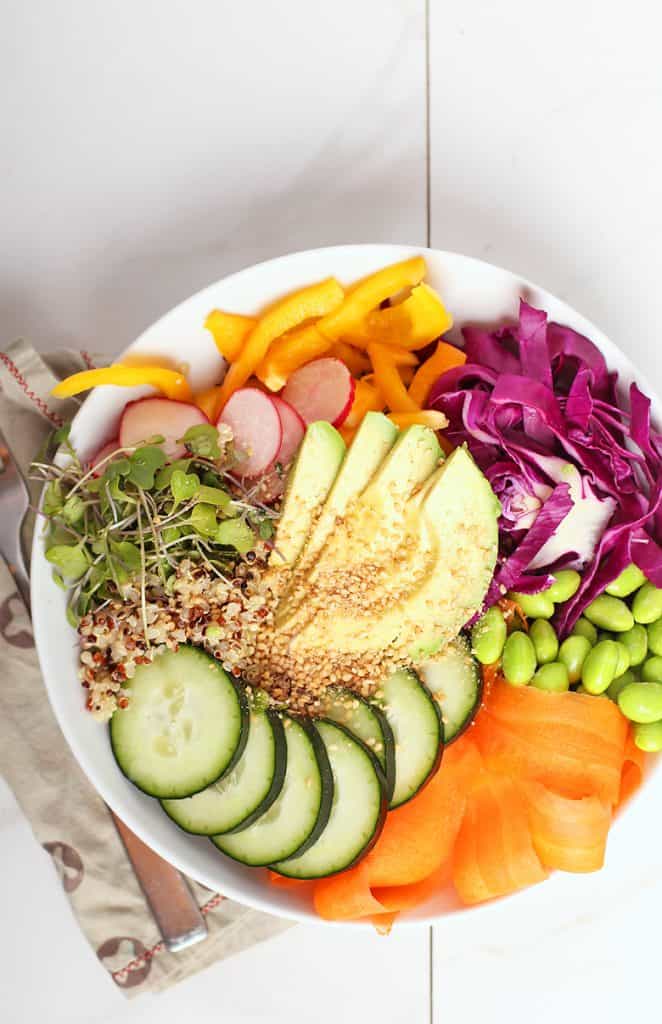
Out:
{"x": 475, "y": 292}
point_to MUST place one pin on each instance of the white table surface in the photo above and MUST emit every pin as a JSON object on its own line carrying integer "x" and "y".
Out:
{"x": 148, "y": 148}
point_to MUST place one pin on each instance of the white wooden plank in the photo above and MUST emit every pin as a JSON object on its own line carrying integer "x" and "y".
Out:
{"x": 546, "y": 158}
{"x": 151, "y": 148}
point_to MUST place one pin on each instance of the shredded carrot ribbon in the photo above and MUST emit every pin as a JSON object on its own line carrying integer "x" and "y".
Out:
{"x": 530, "y": 788}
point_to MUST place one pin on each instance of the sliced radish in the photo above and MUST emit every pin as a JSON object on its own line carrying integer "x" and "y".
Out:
{"x": 321, "y": 390}
{"x": 149, "y": 417}
{"x": 253, "y": 418}
{"x": 103, "y": 453}
{"x": 293, "y": 427}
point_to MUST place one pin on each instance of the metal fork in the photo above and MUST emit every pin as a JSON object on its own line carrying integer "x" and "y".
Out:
{"x": 176, "y": 913}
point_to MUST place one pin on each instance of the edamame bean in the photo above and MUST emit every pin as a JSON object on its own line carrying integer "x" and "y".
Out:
{"x": 651, "y": 670}
{"x": 623, "y": 663}
{"x": 599, "y": 668}
{"x": 619, "y": 683}
{"x": 573, "y": 653}
{"x": 609, "y": 613}
{"x": 647, "y": 604}
{"x": 518, "y": 660}
{"x": 583, "y": 627}
{"x": 654, "y": 633}
{"x": 545, "y": 641}
{"x": 648, "y": 736}
{"x": 488, "y": 636}
{"x": 641, "y": 702}
{"x": 552, "y": 677}
{"x": 636, "y": 640}
{"x": 630, "y": 580}
{"x": 535, "y": 606}
{"x": 566, "y": 584}
{"x": 582, "y": 689}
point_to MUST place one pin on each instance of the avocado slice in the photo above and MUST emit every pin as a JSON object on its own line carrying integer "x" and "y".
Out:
{"x": 456, "y": 516}
{"x": 374, "y": 524}
{"x": 374, "y": 439}
{"x": 320, "y": 456}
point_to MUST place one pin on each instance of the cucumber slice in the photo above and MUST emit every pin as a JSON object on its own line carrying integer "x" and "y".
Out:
{"x": 300, "y": 813}
{"x": 243, "y": 794}
{"x": 358, "y": 812}
{"x": 368, "y": 723}
{"x": 186, "y": 724}
{"x": 453, "y": 678}
{"x": 418, "y": 731}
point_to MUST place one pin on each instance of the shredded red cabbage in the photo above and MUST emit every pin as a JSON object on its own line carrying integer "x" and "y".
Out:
{"x": 579, "y": 477}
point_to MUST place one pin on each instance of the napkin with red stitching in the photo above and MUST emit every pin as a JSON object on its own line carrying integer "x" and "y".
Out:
{"x": 67, "y": 816}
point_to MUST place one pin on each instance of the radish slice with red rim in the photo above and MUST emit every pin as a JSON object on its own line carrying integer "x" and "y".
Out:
{"x": 293, "y": 427}
{"x": 321, "y": 390}
{"x": 253, "y": 418}
{"x": 152, "y": 417}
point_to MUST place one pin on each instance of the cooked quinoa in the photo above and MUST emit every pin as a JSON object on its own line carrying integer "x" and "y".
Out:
{"x": 224, "y": 616}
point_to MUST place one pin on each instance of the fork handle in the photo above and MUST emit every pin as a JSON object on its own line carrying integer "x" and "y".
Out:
{"x": 175, "y": 911}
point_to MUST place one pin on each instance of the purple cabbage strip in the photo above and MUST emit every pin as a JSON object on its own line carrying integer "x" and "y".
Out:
{"x": 533, "y": 400}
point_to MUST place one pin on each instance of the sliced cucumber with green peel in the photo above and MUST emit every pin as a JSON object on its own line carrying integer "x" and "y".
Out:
{"x": 453, "y": 678}
{"x": 244, "y": 793}
{"x": 415, "y": 720}
{"x": 367, "y": 722}
{"x": 358, "y": 812}
{"x": 299, "y": 815}
{"x": 186, "y": 724}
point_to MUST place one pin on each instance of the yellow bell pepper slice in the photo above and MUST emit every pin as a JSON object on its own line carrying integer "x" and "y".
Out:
{"x": 389, "y": 380}
{"x": 356, "y": 361}
{"x": 367, "y": 295}
{"x": 314, "y": 301}
{"x": 366, "y": 399}
{"x": 426, "y": 418}
{"x": 444, "y": 358}
{"x": 229, "y": 331}
{"x": 402, "y": 356}
{"x": 287, "y": 353}
{"x": 169, "y": 382}
{"x": 412, "y": 324}
{"x": 210, "y": 402}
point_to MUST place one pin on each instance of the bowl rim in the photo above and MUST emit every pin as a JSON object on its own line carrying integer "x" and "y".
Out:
{"x": 271, "y": 905}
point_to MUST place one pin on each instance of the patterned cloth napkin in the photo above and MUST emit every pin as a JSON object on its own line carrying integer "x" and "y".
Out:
{"x": 67, "y": 816}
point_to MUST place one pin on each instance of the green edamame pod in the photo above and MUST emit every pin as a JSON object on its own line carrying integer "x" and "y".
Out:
{"x": 545, "y": 641}
{"x": 488, "y": 636}
{"x": 636, "y": 640}
{"x": 651, "y": 670}
{"x": 518, "y": 660}
{"x": 630, "y": 580}
{"x": 654, "y": 634}
{"x": 582, "y": 689}
{"x": 647, "y": 604}
{"x": 619, "y": 683}
{"x": 566, "y": 584}
{"x": 534, "y": 606}
{"x": 623, "y": 663}
{"x": 641, "y": 702}
{"x": 583, "y": 627}
{"x": 609, "y": 613}
{"x": 599, "y": 668}
{"x": 648, "y": 736}
{"x": 573, "y": 653}
{"x": 552, "y": 677}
